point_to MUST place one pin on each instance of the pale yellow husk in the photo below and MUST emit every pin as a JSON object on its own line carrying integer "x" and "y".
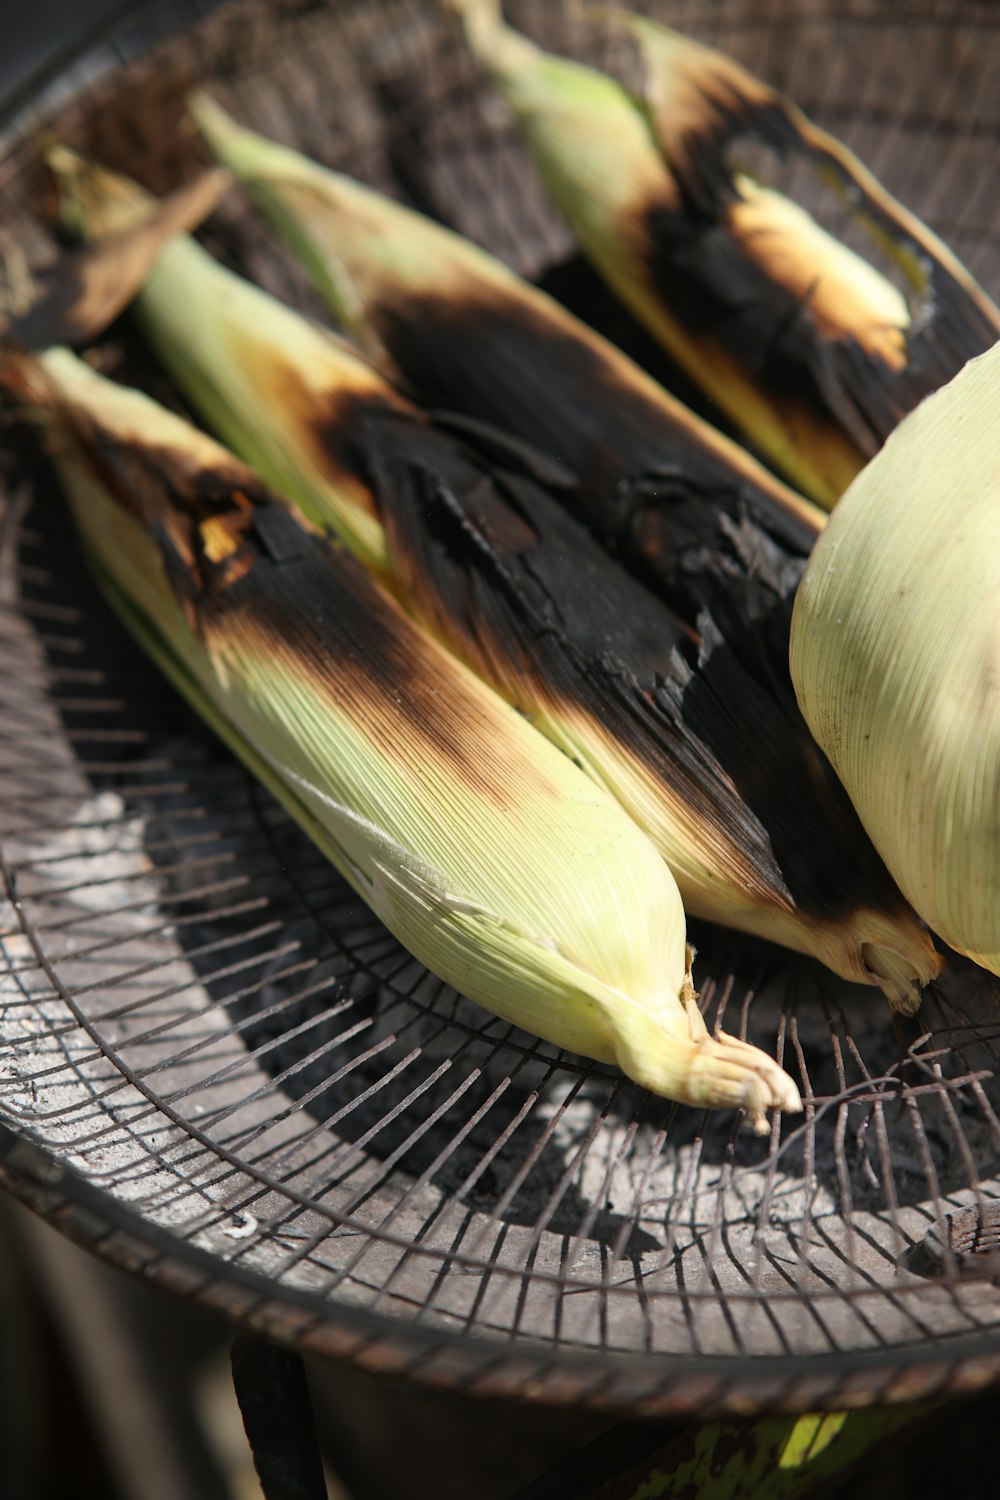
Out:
{"x": 895, "y": 655}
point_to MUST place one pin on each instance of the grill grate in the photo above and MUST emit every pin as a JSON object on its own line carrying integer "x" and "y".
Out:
{"x": 228, "y": 1073}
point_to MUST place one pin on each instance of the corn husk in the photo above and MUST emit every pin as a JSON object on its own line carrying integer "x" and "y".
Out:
{"x": 896, "y": 656}
{"x": 484, "y": 850}
{"x": 810, "y": 349}
{"x": 89, "y": 286}
{"x": 475, "y": 544}
{"x": 687, "y": 509}
{"x": 214, "y": 359}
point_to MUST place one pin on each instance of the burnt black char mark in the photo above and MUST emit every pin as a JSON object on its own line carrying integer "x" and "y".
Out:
{"x": 695, "y": 530}
{"x": 320, "y": 609}
{"x": 301, "y": 599}
{"x": 524, "y": 594}
{"x": 715, "y": 291}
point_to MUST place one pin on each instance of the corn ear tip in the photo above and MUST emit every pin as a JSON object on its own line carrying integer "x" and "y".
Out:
{"x": 59, "y": 157}
{"x": 466, "y": 9}
{"x": 791, "y": 1101}
{"x": 488, "y": 36}
{"x": 902, "y": 979}
{"x": 785, "y": 1095}
{"x": 208, "y": 114}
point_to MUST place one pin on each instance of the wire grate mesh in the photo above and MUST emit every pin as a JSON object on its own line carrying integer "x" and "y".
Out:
{"x": 257, "y": 1092}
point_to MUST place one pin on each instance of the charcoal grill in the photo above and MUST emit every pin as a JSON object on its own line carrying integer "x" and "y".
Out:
{"x": 216, "y": 1069}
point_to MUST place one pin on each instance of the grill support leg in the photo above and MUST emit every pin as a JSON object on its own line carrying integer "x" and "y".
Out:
{"x": 273, "y": 1396}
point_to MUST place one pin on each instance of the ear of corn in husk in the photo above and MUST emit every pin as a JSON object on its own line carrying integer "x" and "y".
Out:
{"x": 463, "y": 331}
{"x": 686, "y": 508}
{"x": 811, "y": 350}
{"x": 481, "y": 847}
{"x": 896, "y": 655}
{"x": 213, "y": 360}
{"x": 474, "y": 544}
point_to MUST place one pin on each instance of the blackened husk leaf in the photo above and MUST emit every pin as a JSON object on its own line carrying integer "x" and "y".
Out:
{"x": 717, "y": 293}
{"x": 292, "y": 588}
{"x": 695, "y": 528}
{"x": 497, "y": 568}
{"x": 716, "y": 289}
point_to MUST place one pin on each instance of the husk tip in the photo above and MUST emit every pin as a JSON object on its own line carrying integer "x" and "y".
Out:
{"x": 214, "y": 122}
{"x": 901, "y": 977}
{"x": 497, "y": 46}
{"x": 729, "y": 1072}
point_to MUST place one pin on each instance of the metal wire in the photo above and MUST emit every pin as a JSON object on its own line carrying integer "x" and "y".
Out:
{"x": 242, "y": 1082}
